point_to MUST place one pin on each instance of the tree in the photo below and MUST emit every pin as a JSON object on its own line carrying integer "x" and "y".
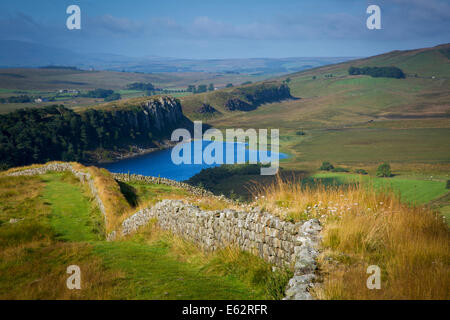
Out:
{"x": 141, "y": 86}
{"x": 202, "y": 88}
{"x": 360, "y": 171}
{"x": 211, "y": 87}
{"x": 99, "y": 93}
{"x": 229, "y": 85}
{"x": 326, "y": 166}
{"x": 384, "y": 170}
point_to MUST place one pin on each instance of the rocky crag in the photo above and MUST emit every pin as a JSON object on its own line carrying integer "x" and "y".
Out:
{"x": 91, "y": 135}
{"x": 249, "y": 98}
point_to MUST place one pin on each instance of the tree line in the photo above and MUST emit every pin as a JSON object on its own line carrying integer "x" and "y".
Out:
{"x": 200, "y": 88}
{"x": 39, "y": 135}
{"x": 105, "y": 94}
{"x": 377, "y": 72}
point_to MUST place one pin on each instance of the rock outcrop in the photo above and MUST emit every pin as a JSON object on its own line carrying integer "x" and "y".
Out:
{"x": 91, "y": 135}
{"x": 249, "y": 98}
{"x": 236, "y": 104}
{"x": 207, "y": 109}
{"x": 158, "y": 116}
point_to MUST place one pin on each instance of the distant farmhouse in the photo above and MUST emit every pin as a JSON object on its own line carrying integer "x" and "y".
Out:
{"x": 38, "y": 100}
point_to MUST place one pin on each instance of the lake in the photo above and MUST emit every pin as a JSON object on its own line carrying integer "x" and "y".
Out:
{"x": 159, "y": 163}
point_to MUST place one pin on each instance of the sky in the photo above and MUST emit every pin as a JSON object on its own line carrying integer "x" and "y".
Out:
{"x": 212, "y": 29}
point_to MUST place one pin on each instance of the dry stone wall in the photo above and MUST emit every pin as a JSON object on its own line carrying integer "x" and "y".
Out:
{"x": 278, "y": 242}
{"x": 157, "y": 180}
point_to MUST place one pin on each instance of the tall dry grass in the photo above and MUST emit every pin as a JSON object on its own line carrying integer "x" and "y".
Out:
{"x": 365, "y": 227}
{"x": 116, "y": 206}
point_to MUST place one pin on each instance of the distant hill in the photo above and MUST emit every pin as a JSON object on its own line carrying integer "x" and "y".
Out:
{"x": 26, "y": 54}
{"x": 425, "y": 62}
{"x": 330, "y": 95}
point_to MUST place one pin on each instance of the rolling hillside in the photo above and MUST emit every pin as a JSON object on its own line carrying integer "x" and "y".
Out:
{"x": 329, "y": 95}
{"x": 355, "y": 120}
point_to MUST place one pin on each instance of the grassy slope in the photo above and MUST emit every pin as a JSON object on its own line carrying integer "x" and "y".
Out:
{"x": 344, "y": 102}
{"x": 60, "y": 228}
{"x": 362, "y": 96}
{"x": 358, "y": 121}
{"x": 411, "y": 190}
{"x": 363, "y": 227}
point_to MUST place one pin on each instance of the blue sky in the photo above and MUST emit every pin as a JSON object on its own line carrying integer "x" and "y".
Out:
{"x": 228, "y": 28}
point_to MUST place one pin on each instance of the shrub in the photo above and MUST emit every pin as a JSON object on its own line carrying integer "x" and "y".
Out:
{"x": 339, "y": 169}
{"x": 384, "y": 170}
{"x": 326, "y": 166}
{"x": 300, "y": 133}
{"x": 360, "y": 171}
{"x": 448, "y": 184}
{"x": 99, "y": 93}
{"x": 113, "y": 97}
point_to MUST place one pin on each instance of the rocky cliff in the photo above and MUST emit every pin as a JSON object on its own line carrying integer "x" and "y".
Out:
{"x": 158, "y": 116}
{"x": 94, "y": 134}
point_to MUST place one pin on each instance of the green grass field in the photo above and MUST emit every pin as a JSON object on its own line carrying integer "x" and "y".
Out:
{"x": 412, "y": 190}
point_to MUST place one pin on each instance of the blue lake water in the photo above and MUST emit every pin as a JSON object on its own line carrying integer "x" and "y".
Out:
{"x": 159, "y": 163}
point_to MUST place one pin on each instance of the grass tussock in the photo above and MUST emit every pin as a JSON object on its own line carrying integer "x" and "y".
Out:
{"x": 250, "y": 269}
{"x": 37, "y": 270}
{"x": 362, "y": 227}
{"x": 20, "y": 201}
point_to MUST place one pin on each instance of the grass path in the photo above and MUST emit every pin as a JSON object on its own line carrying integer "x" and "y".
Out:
{"x": 151, "y": 272}
{"x": 70, "y": 209}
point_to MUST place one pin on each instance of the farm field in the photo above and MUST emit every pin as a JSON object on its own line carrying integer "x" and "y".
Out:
{"x": 45, "y": 82}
